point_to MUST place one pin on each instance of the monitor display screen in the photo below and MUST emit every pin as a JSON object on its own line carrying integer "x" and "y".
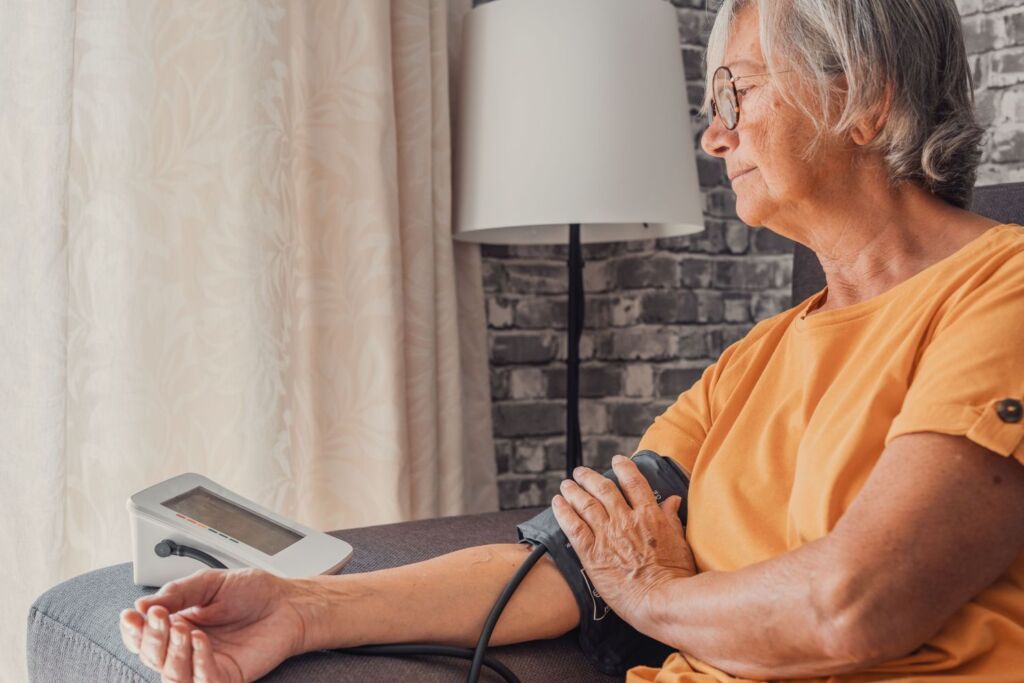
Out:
{"x": 206, "y": 507}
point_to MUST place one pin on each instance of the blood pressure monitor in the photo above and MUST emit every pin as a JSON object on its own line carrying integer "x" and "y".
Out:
{"x": 188, "y": 522}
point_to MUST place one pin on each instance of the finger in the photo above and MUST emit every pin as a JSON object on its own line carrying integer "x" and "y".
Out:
{"x": 589, "y": 508}
{"x": 602, "y": 488}
{"x": 131, "y": 623}
{"x": 204, "y": 668}
{"x": 153, "y": 647}
{"x": 576, "y": 530}
{"x": 634, "y": 485}
{"x": 178, "y": 664}
{"x": 195, "y": 589}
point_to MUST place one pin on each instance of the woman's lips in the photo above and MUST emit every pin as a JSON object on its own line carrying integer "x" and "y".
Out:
{"x": 744, "y": 173}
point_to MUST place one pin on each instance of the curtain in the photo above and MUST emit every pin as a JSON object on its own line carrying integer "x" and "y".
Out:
{"x": 226, "y": 248}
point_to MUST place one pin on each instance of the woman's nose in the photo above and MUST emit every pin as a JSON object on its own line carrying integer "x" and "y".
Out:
{"x": 717, "y": 139}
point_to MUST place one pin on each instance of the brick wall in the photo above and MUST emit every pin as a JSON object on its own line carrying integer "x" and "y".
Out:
{"x": 658, "y": 312}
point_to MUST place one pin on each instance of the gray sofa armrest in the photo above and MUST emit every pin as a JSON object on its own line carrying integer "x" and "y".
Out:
{"x": 73, "y": 634}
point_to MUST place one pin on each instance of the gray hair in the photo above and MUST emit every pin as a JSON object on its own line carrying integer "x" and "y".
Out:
{"x": 931, "y": 136}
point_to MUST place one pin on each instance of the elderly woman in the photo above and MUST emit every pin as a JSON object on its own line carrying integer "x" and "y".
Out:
{"x": 855, "y": 504}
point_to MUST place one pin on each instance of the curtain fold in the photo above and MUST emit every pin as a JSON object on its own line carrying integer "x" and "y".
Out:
{"x": 227, "y": 249}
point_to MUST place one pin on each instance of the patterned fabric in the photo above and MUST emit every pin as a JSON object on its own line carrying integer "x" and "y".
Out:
{"x": 227, "y": 249}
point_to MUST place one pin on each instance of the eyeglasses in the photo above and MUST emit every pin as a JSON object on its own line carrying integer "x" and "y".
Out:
{"x": 723, "y": 88}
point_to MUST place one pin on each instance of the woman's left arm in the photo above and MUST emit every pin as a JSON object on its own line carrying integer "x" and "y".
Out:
{"x": 937, "y": 521}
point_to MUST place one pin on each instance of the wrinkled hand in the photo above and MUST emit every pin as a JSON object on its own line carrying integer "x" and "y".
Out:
{"x": 627, "y": 548}
{"x": 216, "y": 626}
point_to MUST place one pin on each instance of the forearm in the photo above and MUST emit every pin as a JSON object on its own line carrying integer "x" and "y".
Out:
{"x": 773, "y": 619}
{"x": 444, "y": 600}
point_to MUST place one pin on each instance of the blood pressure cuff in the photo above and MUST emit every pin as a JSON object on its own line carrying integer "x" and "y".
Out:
{"x": 612, "y": 645}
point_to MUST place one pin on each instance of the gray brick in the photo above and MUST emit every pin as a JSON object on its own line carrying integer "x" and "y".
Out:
{"x": 694, "y": 27}
{"x": 623, "y": 310}
{"x": 536, "y": 278}
{"x": 599, "y": 451}
{"x": 710, "y": 306}
{"x": 635, "y": 344}
{"x": 1013, "y": 27}
{"x": 500, "y": 312}
{"x": 494, "y": 275}
{"x": 719, "y": 339}
{"x": 597, "y": 311}
{"x": 693, "y": 59}
{"x": 525, "y": 383}
{"x": 766, "y": 304}
{"x": 674, "y": 381}
{"x": 633, "y": 272}
{"x": 555, "y": 453}
{"x": 765, "y": 241}
{"x": 746, "y": 274}
{"x": 528, "y": 418}
{"x": 737, "y": 307}
{"x": 503, "y": 454}
{"x": 593, "y": 417}
{"x": 980, "y": 34}
{"x": 596, "y": 381}
{"x": 586, "y": 346}
{"x": 528, "y": 456}
{"x": 638, "y": 380}
{"x": 540, "y": 252}
{"x": 499, "y": 383}
{"x": 1006, "y": 68}
{"x": 691, "y": 342}
{"x": 711, "y": 171}
{"x": 695, "y": 272}
{"x": 737, "y": 237}
{"x": 1008, "y": 144}
{"x": 711, "y": 240}
{"x": 720, "y": 202}
{"x": 668, "y": 307}
{"x": 521, "y": 491}
{"x": 968, "y": 6}
{"x": 530, "y": 347}
{"x": 633, "y": 419}
{"x": 597, "y": 276}
{"x": 542, "y": 312}
{"x": 986, "y": 103}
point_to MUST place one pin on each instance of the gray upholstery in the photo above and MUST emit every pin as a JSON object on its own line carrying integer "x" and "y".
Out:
{"x": 73, "y": 634}
{"x": 1003, "y": 203}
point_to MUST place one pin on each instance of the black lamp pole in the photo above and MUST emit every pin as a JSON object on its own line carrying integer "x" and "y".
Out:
{"x": 573, "y": 443}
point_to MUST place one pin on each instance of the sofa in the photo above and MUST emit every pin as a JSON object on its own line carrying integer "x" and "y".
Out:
{"x": 72, "y": 627}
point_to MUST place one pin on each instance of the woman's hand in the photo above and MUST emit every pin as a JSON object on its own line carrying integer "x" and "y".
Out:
{"x": 627, "y": 548}
{"x": 217, "y": 626}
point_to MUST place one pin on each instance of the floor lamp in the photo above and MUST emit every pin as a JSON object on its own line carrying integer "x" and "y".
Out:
{"x": 572, "y": 126}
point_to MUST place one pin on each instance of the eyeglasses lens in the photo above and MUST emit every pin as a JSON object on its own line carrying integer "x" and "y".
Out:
{"x": 725, "y": 98}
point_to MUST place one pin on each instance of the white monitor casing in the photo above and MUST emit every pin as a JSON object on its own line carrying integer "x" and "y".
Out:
{"x": 152, "y": 522}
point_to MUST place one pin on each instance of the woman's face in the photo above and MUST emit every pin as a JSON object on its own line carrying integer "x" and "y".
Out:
{"x": 781, "y": 189}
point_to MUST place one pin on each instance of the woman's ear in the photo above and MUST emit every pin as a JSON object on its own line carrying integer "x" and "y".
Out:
{"x": 868, "y": 129}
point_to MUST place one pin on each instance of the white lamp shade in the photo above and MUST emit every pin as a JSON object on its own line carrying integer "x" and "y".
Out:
{"x": 573, "y": 111}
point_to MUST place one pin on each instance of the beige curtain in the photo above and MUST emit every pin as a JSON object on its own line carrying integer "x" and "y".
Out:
{"x": 226, "y": 249}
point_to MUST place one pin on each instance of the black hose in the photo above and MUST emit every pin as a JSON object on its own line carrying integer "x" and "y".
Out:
{"x": 499, "y": 606}
{"x": 168, "y": 547}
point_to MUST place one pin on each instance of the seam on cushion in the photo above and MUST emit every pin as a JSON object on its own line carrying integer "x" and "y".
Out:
{"x": 82, "y": 639}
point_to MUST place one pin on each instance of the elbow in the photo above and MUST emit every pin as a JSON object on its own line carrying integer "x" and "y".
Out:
{"x": 857, "y": 632}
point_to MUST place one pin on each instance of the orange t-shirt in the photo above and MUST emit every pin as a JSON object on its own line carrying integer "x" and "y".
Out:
{"x": 782, "y": 431}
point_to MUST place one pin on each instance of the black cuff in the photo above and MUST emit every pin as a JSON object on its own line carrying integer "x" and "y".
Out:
{"x": 609, "y": 642}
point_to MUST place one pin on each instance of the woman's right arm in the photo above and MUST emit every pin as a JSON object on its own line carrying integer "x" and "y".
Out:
{"x": 444, "y": 600}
